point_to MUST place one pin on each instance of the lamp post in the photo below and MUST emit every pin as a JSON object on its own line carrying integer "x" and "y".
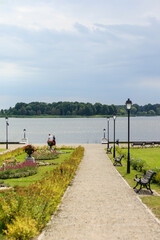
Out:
{"x": 108, "y": 131}
{"x": 7, "y": 124}
{"x": 104, "y": 132}
{"x": 114, "y": 126}
{"x": 128, "y": 107}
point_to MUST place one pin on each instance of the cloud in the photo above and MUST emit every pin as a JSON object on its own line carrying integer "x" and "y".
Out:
{"x": 98, "y": 50}
{"x": 10, "y": 70}
{"x": 150, "y": 83}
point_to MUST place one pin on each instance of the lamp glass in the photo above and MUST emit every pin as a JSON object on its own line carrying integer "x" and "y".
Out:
{"x": 114, "y": 117}
{"x": 128, "y": 104}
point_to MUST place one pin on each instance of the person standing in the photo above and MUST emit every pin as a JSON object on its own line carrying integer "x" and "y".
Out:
{"x": 50, "y": 138}
{"x": 54, "y": 140}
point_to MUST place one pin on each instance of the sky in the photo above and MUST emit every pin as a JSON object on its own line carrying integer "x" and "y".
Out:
{"x": 79, "y": 50}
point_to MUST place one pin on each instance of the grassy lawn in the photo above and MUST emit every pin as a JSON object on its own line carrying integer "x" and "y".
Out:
{"x": 150, "y": 155}
{"x": 152, "y": 158}
{"x": 41, "y": 170}
{"x": 2, "y": 149}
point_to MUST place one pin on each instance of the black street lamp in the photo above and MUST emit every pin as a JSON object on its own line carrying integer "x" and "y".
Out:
{"x": 128, "y": 106}
{"x": 114, "y": 119}
{"x": 104, "y": 132}
{"x": 7, "y": 124}
{"x": 108, "y": 131}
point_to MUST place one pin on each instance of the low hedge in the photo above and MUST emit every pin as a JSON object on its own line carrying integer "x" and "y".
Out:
{"x": 9, "y": 174}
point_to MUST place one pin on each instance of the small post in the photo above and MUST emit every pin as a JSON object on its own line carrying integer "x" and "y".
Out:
{"x": 114, "y": 126}
{"x": 104, "y": 132}
{"x": 24, "y": 130}
{"x": 108, "y": 131}
{"x": 7, "y": 124}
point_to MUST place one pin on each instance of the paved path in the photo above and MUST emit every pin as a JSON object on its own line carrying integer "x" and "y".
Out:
{"x": 100, "y": 205}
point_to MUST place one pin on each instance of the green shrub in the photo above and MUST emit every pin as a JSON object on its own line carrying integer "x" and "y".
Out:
{"x": 139, "y": 165}
{"x": 157, "y": 178}
{"x": 22, "y": 228}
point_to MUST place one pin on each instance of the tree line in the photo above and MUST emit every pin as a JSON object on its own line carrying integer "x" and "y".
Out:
{"x": 78, "y": 109}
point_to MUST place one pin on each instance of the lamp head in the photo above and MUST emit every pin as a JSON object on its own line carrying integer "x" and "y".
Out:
{"x": 128, "y": 104}
{"x": 114, "y": 117}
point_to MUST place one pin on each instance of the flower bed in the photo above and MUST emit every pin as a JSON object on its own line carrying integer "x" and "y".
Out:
{"x": 25, "y": 211}
{"x": 45, "y": 154}
{"x": 23, "y": 169}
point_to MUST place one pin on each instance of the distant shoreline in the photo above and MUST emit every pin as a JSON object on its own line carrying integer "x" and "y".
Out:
{"x": 72, "y": 116}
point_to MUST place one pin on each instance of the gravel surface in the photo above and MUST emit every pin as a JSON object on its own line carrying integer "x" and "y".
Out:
{"x": 99, "y": 205}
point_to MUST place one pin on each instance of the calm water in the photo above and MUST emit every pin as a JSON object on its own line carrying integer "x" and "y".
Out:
{"x": 79, "y": 130}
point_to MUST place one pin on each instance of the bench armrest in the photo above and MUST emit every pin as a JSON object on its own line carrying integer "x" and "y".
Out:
{"x": 138, "y": 175}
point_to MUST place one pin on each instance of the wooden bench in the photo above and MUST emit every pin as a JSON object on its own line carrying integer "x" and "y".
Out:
{"x": 109, "y": 150}
{"x": 144, "y": 180}
{"x": 118, "y": 160}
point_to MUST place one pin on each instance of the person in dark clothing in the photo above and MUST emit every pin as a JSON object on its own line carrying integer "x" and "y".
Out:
{"x": 54, "y": 140}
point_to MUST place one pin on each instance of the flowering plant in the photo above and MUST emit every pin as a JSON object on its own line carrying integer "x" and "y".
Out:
{"x": 29, "y": 149}
{"x": 21, "y": 165}
{"x": 50, "y": 143}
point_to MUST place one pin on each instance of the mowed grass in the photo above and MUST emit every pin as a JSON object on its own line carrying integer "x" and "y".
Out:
{"x": 26, "y": 181}
{"x": 150, "y": 155}
{"x": 2, "y": 149}
{"x": 152, "y": 158}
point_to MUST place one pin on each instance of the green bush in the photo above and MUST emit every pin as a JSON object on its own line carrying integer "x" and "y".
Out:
{"x": 139, "y": 165}
{"x": 22, "y": 228}
{"x": 157, "y": 178}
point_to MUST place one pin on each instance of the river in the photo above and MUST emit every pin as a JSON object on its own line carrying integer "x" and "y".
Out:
{"x": 80, "y": 130}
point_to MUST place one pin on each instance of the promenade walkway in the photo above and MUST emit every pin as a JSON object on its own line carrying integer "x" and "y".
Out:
{"x": 100, "y": 205}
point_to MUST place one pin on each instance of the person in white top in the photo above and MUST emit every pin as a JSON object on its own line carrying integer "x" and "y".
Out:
{"x": 50, "y": 138}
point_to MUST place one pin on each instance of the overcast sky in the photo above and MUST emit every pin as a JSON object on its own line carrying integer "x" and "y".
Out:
{"x": 79, "y": 50}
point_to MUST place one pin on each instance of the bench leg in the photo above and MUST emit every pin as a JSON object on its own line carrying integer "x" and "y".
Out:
{"x": 136, "y": 185}
{"x": 139, "y": 189}
{"x": 149, "y": 188}
{"x": 117, "y": 162}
